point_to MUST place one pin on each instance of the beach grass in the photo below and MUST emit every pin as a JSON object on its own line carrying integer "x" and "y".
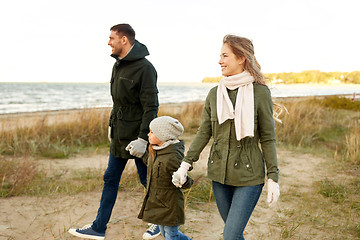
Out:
{"x": 330, "y": 205}
{"x": 326, "y": 127}
{"x": 311, "y": 126}
{"x": 55, "y": 138}
{"x": 23, "y": 176}
{"x": 315, "y": 126}
{"x": 60, "y": 138}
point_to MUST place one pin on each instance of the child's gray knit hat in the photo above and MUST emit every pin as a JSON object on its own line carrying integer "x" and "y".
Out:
{"x": 166, "y": 128}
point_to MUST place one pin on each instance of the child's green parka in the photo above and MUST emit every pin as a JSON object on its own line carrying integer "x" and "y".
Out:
{"x": 164, "y": 203}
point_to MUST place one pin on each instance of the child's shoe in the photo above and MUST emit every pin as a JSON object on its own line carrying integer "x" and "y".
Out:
{"x": 152, "y": 232}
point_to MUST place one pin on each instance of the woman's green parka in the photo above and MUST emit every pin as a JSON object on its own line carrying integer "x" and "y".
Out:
{"x": 232, "y": 162}
{"x": 164, "y": 203}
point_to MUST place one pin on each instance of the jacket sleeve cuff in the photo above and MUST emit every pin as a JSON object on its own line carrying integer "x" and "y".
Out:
{"x": 187, "y": 161}
{"x": 189, "y": 182}
{"x": 274, "y": 176}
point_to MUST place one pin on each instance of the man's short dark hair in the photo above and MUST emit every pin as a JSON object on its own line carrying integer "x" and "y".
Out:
{"x": 125, "y": 29}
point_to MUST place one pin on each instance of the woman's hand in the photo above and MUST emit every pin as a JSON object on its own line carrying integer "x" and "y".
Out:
{"x": 273, "y": 192}
{"x": 179, "y": 177}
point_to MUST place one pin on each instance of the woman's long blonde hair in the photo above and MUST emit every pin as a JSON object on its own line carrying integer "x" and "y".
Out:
{"x": 243, "y": 47}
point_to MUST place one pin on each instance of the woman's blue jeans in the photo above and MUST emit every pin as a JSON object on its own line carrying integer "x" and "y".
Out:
{"x": 112, "y": 178}
{"x": 172, "y": 233}
{"x": 235, "y": 205}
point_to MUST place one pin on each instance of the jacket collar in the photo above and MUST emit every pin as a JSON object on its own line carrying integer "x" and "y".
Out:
{"x": 177, "y": 147}
{"x": 136, "y": 52}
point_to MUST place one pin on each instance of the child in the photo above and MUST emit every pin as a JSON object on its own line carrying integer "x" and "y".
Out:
{"x": 164, "y": 203}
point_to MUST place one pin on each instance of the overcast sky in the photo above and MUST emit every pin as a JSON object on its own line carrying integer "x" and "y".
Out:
{"x": 66, "y": 41}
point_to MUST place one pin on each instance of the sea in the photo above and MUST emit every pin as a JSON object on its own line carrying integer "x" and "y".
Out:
{"x": 34, "y": 97}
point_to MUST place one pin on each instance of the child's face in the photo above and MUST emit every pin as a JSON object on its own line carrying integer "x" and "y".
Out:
{"x": 153, "y": 139}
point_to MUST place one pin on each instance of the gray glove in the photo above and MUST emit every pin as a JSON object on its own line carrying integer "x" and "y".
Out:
{"x": 137, "y": 147}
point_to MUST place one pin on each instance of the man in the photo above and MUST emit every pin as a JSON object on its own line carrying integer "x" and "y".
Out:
{"x": 135, "y": 104}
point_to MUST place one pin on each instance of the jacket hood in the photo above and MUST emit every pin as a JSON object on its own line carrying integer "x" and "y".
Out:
{"x": 138, "y": 51}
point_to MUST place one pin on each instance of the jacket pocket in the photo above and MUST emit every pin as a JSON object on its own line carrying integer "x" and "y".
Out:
{"x": 214, "y": 161}
{"x": 162, "y": 197}
{"x": 130, "y": 86}
{"x": 245, "y": 161}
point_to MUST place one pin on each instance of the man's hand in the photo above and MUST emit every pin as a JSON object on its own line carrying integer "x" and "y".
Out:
{"x": 273, "y": 192}
{"x": 179, "y": 177}
{"x": 137, "y": 147}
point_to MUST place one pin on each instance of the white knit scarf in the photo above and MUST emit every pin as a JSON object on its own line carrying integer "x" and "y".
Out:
{"x": 244, "y": 105}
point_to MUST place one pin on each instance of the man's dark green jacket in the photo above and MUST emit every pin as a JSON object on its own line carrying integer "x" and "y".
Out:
{"x": 135, "y": 101}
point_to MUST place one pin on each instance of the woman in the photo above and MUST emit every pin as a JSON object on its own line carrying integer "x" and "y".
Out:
{"x": 238, "y": 115}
